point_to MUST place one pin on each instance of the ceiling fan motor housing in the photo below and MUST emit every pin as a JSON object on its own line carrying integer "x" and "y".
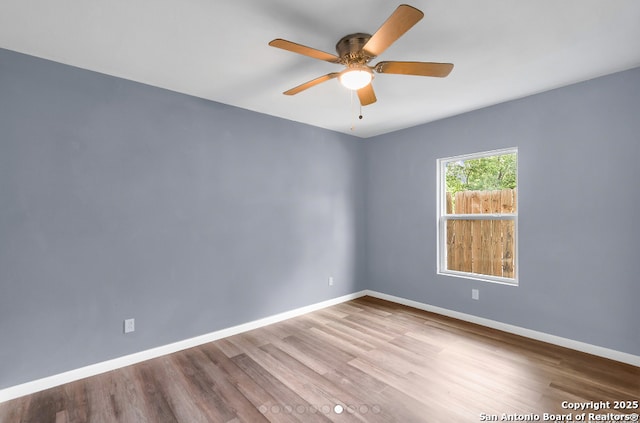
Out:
{"x": 350, "y": 46}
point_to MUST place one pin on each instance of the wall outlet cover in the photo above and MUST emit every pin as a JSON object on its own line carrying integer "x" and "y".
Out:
{"x": 129, "y": 325}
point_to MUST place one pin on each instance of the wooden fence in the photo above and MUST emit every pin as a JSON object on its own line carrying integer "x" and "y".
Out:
{"x": 485, "y": 247}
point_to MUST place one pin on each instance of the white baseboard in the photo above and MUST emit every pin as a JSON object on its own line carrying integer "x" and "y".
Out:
{"x": 105, "y": 366}
{"x": 623, "y": 357}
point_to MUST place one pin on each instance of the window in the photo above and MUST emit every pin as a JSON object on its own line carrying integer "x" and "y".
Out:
{"x": 478, "y": 216}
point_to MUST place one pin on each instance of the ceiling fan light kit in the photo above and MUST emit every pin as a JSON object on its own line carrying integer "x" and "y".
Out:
{"x": 356, "y": 77}
{"x": 355, "y": 51}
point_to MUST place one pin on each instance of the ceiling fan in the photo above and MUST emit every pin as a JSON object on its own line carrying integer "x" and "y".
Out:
{"x": 355, "y": 51}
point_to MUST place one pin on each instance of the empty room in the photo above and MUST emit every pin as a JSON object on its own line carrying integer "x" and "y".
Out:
{"x": 281, "y": 211}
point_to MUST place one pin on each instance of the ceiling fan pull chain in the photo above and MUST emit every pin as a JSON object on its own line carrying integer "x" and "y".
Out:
{"x": 353, "y": 120}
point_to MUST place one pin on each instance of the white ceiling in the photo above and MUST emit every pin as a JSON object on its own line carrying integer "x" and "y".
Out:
{"x": 217, "y": 50}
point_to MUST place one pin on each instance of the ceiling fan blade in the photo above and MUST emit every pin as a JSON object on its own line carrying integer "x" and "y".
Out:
{"x": 366, "y": 95}
{"x": 311, "y": 83}
{"x": 397, "y": 24}
{"x": 304, "y": 50}
{"x": 439, "y": 70}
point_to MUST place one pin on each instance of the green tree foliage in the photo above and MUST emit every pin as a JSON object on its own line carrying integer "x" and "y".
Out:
{"x": 482, "y": 174}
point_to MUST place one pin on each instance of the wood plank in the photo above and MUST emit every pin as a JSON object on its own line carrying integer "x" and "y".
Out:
{"x": 15, "y": 410}
{"x": 465, "y": 230}
{"x": 496, "y": 243}
{"x": 218, "y": 368}
{"x": 486, "y": 229}
{"x": 75, "y": 402}
{"x": 44, "y": 406}
{"x": 508, "y": 257}
{"x": 179, "y": 393}
{"x": 453, "y": 259}
{"x": 282, "y": 396}
{"x": 200, "y": 386}
{"x": 476, "y": 246}
{"x": 155, "y": 396}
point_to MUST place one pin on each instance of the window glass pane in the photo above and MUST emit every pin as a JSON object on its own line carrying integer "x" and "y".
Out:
{"x": 481, "y": 185}
{"x": 482, "y": 247}
{"x": 485, "y": 247}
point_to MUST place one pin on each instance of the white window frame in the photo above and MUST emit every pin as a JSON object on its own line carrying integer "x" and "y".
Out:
{"x": 443, "y": 217}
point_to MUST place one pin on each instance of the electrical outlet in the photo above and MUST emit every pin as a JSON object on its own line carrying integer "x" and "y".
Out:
{"x": 129, "y": 325}
{"x": 330, "y": 280}
{"x": 475, "y": 294}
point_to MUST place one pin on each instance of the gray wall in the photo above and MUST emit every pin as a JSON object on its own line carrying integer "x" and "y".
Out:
{"x": 122, "y": 200}
{"x": 579, "y": 202}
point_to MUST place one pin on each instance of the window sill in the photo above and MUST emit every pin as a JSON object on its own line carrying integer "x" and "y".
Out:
{"x": 480, "y": 277}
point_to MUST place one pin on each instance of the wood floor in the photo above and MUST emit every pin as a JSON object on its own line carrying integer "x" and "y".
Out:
{"x": 379, "y": 361}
